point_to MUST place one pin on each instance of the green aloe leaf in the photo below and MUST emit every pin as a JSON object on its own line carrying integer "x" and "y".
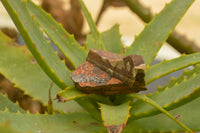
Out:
{"x": 156, "y": 32}
{"x": 5, "y": 128}
{"x": 111, "y": 39}
{"x": 91, "y": 106}
{"x": 19, "y": 66}
{"x": 64, "y": 41}
{"x": 188, "y": 113}
{"x": 95, "y": 33}
{"x": 161, "y": 69}
{"x": 187, "y": 74}
{"x": 89, "y": 42}
{"x": 58, "y": 123}
{"x": 70, "y": 93}
{"x": 160, "y": 108}
{"x": 115, "y": 117}
{"x": 5, "y": 103}
{"x": 180, "y": 91}
{"x": 30, "y": 31}
{"x": 37, "y": 43}
{"x": 87, "y": 101}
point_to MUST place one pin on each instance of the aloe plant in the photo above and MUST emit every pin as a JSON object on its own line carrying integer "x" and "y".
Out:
{"x": 172, "y": 108}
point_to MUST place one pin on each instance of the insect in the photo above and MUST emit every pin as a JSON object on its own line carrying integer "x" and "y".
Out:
{"x": 109, "y": 73}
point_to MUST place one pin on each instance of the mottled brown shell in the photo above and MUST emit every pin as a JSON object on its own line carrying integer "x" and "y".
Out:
{"x": 108, "y": 73}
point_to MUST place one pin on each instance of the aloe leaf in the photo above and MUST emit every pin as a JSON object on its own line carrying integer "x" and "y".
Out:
{"x": 188, "y": 113}
{"x": 161, "y": 69}
{"x": 156, "y": 32}
{"x": 115, "y": 117}
{"x": 182, "y": 90}
{"x": 5, "y": 103}
{"x": 5, "y": 128}
{"x": 91, "y": 106}
{"x": 89, "y": 42}
{"x": 64, "y": 41}
{"x": 187, "y": 74}
{"x": 58, "y": 123}
{"x": 19, "y": 66}
{"x": 160, "y": 108}
{"x": 37, "y": 43}
{"x": 69, "y": 93}
{"x": 37, "y": 85}
{"x": 88, "y": 101}
{"x": 72, "y": 93}
{"x": 58, "y": 67}
{"x": 111, "y": 39}
{"x": 95, "y": 33}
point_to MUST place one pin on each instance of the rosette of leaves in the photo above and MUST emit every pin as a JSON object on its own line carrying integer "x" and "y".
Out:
{"x": 32, "y": 68}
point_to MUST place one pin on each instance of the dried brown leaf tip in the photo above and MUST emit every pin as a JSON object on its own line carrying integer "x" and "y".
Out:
{"x": 109, "y": 73}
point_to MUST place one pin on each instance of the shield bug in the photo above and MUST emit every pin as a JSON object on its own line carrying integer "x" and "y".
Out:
{"x": 109, "y": 73}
